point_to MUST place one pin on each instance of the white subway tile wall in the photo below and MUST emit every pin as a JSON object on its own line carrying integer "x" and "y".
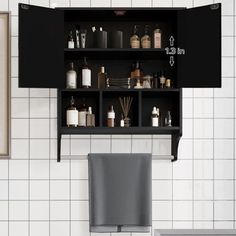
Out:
{"x": 42, "y": 197}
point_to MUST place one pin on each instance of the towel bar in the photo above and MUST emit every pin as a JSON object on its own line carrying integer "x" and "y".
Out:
{"x": 85, "y": 157}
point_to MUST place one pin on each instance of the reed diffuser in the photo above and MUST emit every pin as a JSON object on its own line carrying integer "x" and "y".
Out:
{"x": 125, "y": 104}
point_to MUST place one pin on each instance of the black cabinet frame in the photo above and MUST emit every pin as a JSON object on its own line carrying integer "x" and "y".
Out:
{"x": 43, "y": 57}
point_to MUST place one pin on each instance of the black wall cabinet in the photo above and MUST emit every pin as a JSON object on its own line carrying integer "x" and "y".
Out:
{"x": 44, "y": 58}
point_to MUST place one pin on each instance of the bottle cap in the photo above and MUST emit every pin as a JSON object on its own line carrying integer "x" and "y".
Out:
{"x": 93, "y": 29}
{"x": 102, "y": 69}
{"x": 90, "y": 110}
{"x": 154, "y": 110}
{"x": 71, "y": 64}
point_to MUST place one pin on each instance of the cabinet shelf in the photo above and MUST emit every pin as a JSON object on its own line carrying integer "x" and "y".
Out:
{"x": 115, "y": 53}
{"x": 107, "y": 90}
{"x": 119, "y": 130}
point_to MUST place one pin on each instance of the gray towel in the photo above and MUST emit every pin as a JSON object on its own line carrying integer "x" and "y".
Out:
{"x": 120, "y": 192}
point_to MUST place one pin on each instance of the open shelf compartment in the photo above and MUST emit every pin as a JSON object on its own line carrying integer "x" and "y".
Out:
{"x": 90, "y": 98}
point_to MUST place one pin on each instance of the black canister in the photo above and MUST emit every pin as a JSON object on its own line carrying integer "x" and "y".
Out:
{"x": 116, "y": 39}
{"x": 100, "y": 39}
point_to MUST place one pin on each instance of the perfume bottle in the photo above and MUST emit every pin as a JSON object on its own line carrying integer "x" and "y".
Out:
{"x": 162, "y": 79}
{"x": 157, "y": 37}
{"x": 155, "y": 117}
{"x": 102, "y": 78}
{"x": 138, "y": 74}
{"x": 134, "y": 39}
{"x": 90, "y": 118}
{"x": 146, "y": 39}
{"x": 82, "y": 115}
{"x": 111, "y": 117}
{"x": 168, "y": 119}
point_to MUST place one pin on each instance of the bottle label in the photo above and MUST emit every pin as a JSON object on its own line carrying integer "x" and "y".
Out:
{"x": 82, "y": 118}
{"x": 155, "y": 122}
{"x": 146, "y": 42}
{"x": 72, "y": 117}
{"x": 111, "y": 115}
{"x": 86, "y": 77}
{"x": 157, "y": 40}
{"x": 71, "y": 80}
{"x": 122, "y": 123}
{"x": 135, "y": 43}
{"x": 71, "y": 44}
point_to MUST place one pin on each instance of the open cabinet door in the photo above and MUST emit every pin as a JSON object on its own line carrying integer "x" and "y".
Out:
{"x": 41, "y": 47}
{"x": 199, "y": 34}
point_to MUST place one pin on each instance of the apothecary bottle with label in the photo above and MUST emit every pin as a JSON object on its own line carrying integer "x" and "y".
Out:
{"x": 157, "y": 37}
{"x": 134, "y": 39}
{"x": 71, "y": 77}
{"x": 111, "y": 117}
{"x": 82, "y": 115}
{"x": 72, "y": 114}
{"x": 102, "y": 78}
{"x": 146, "y": 39}
{"x": 86, "y": 75}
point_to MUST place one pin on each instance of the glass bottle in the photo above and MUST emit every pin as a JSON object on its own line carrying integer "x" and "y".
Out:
{"x": 134, "y": 39}
{"x": 157, "y": 37}
{"x": 102, "y": 78}
{"x": 138, "y": 73}
{"x": 90, "y": 118}
{"x": 86, "y": 75}
{"x": 162, "y": 80}
{"x": 146, "y": 39}
{"x": 122, "y": 122}
{"x": 71, "y": 43}
{"x": 82, "y": 115}
{"x": 111, "y": 117}
{"x": 72, "y": 114}
{"x": 155, "y": 80}
{"x": 155, "y": 117}
{"x": 168, "y": 83}
{"x": 71, "y": 77}
{"x": 168, "y": 119}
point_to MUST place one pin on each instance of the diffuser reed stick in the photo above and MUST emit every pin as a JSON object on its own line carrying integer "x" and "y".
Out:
{"x": 126, "y": 103}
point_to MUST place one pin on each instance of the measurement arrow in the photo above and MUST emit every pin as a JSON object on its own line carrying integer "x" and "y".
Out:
{"x": 172, "y": 40}
{"x": 172, "y": 62}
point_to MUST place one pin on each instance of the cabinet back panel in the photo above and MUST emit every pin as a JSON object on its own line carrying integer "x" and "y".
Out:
{"x": 122, "y": 68}
{"x": 90, "y": 99}
{"x": 165, "y": 102}
{"x": 112, "y": 98}
{"x": 167, "y": 26}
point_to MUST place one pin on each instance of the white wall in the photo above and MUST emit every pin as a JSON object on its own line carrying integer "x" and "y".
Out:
{"x": 39, "y": 196}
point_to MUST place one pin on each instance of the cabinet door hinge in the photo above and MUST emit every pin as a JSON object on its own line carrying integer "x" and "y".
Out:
{"x": 25, "y": 7}
{"x": 215, "y": 6}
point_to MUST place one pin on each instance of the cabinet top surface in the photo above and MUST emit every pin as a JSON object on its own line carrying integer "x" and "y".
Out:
{"x": 120, "y": 8}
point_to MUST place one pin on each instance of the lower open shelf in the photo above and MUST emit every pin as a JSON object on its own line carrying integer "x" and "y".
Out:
{"x": 140, "y": 113}
{"x": 119, "y": 130}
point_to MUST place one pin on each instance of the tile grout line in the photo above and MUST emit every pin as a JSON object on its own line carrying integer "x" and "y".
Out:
{"x": 234, "y": 114}
{"x": 29, "y": 149}
{"x": 49, "y": 182}
{"x": 90, "y": 148}
{"x": 213, "y": 154}
{"x": 193, "y": 160}
{"x": 8, "y": 169}
{"x": 172, "y": 182}
{"x": 49, "y": 185}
